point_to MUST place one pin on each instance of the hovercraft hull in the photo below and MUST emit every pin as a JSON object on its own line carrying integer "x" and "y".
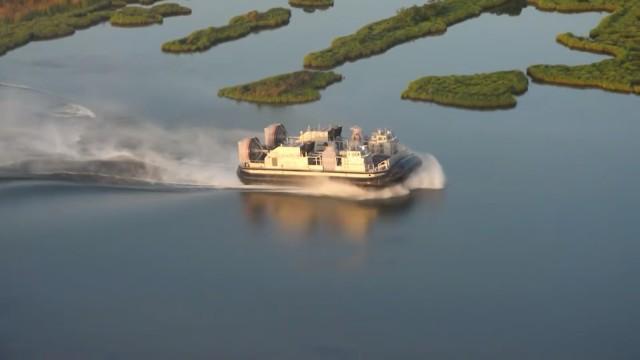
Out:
{"x": 397, "y": 173}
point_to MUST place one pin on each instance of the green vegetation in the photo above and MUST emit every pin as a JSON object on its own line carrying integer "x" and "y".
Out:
{"x": 12, "y": 11}
{"x": 617, "y": 35}
{"x": 479, "y": 91}
{"x": 135, "y": 16}
{"x": 63, "y": 22}
{"x": 311, "y": 4}
{"x": 409, "y": 24}
{"x": 293, "y": 88}
{"x": 238, "y": 27}
{"x": 579, "y": 43}
{"x": 572, "y": 6}
{"x": 171, "y": 9}
{"x": 139, "y": 16}
{"x": 33, "y": 20}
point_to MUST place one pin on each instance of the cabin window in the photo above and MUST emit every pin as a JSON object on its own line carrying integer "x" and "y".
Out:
{"x": 339, "y": 161}
{"x": 274, "y": 161}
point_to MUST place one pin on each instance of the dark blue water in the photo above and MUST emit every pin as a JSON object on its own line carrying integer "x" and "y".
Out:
{"x": 530, "y": 252}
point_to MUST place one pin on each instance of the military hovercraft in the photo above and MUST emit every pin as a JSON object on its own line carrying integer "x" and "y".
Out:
{"x": 378, "y": 160}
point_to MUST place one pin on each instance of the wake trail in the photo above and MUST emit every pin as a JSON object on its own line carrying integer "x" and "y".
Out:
{"x": 47, "y": 137}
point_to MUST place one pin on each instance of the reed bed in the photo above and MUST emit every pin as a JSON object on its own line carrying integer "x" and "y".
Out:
{"x": 59, "y": 20}
{"x": 292, "y": 88}
{"x": 46, "y": 25}
{"x": 238, "y": 27}
{"x": 132, "y": 16}
{"x": 408, "y": 24}
{"x": 494, "y": 90}
{"x": 617, "y": 35}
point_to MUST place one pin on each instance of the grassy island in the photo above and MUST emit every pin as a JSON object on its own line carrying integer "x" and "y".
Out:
{"x": 31, "y": 20}
{"x": 51, "y": 23}
{"x": 617, "y": 35}
{"x": 131, "y": 16}
{"x": 311, "y": 4}
{"x": 293, "y": 88}
{"x": 12, "y": 11}
{"x": 408, "y": 24}
{"x": 574, "y": 6}
{"x": 495, "y": 90}
{"x": 238, "y": 27}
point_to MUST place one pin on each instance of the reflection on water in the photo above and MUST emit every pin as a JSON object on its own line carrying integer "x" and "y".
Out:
{"x": 335, "y": 231}
{"x": 300, "y": 216}
{"x": 511, "y": 8}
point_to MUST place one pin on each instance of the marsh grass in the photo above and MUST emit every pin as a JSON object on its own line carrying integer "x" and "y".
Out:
{"x": 293, "y": 88}
{"x": 617, "y": 35}
{"x": 408, "y": 24}
{"x": 132, "y": 16}
{"x": 575, "y": 6}
{"x": 585, "y": 44}
{"x": 495, "y": 90}
{"x": 171, "y": 9}
{"x": 12, "y": 11}
{"x": 53, "y": 24}
{"x": 238, "y": 27}
{"x": 59, "y": 20}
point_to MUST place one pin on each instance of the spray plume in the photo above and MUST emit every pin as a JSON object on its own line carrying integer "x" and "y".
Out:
{"x": 44, "y": 136}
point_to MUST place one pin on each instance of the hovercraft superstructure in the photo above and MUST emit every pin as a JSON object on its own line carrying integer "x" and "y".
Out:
{"x": 378, "y": 160}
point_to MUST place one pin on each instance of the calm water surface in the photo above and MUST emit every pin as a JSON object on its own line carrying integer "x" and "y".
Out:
{"x": 531, "y": 251}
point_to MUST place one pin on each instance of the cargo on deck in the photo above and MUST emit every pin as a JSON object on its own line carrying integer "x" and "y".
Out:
{"x": 316, "y": 154}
